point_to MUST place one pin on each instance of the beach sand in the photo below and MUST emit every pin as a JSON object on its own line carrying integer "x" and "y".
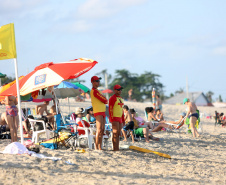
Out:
{"x": 194, "y": 161}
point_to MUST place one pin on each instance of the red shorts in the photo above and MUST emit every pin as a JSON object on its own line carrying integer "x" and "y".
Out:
{"x": 117, "y": 119}
{"x": 100, "y": 113}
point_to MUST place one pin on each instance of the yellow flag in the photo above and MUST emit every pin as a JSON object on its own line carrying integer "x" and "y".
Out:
{"x": 7, "y": 42}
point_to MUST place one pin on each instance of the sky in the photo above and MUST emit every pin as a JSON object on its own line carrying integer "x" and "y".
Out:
{"x": 177, "y": 39}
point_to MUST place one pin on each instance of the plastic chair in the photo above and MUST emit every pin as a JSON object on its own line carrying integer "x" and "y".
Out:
{"x": 89, "y": 135}
{"x": 36, "y": 134}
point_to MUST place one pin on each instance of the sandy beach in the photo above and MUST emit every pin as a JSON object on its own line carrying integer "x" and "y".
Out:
{"x": 194, "y": 161}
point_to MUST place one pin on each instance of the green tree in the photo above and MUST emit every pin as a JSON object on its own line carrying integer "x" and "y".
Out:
{"x": 209, "y": 95}
{"x": 220, "y": 98}
{"x": 142, "y": 85}
{"x": 181, "y": 90}
{"x": 7, "y": 80}
{"x": 102, "y": 74}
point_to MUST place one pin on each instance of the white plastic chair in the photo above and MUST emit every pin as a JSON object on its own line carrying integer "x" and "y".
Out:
{"x": 36, "y": 134}
{"x": 89, "y": 135}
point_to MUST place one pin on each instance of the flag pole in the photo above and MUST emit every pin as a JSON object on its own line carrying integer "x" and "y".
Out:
{"x": 19, "y": 101}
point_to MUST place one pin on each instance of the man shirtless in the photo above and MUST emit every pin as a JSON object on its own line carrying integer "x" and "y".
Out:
{"x": 192, "y": 115}
{"x": 11, "y": 117}
{"x": 41, "y": 109}
{"x": 129, "y": 123}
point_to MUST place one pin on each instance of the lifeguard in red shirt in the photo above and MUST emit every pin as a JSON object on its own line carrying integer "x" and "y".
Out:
{"x": 99, "y": 108}
{"x": 116, "y": 115}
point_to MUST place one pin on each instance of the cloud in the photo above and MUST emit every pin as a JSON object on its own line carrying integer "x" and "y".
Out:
{"x": 220, "y": 51}
{"x": 14, "y": 6}
{"x": 100, "y": 8}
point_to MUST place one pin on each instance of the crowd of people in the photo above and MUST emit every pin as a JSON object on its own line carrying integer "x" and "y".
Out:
{"x": 124, "y": 120}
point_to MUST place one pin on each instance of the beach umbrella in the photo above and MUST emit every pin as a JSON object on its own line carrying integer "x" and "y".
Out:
{"x": 6, "y": 86}
{"x": 66, "y": 89}
{"x": 51, "y": 74}
{"x": 107, "y": 91}
{"x": 81, "y": 86}
{"x": 153, "y": 98}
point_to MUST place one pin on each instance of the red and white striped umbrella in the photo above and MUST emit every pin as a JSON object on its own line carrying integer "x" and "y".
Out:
{"x": 50, "y": 74}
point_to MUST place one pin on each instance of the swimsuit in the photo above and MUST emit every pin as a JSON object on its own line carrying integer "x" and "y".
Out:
{"x": 11, "y": 110}
{"x": 194, "y": 115}
{"x": 129, "y": 126}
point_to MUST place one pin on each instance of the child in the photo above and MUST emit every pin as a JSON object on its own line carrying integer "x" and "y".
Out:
{"x": 159, "y": 115}
{"x": 129, "y": 123}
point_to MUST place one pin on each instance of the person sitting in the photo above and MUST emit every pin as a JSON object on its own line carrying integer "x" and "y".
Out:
{"x": 150, "y": 114}
{"x": 3, "y": 124}
{"x": 79, "y": 114}
{"x": 90, "y": 116}
{"x": 41, "y": 109}
{"x": 159, "y": 115}
{"x": 143, "y": 132}
{"x": 164, "y": 124}
{"x": 221, "y": 118}
{"x": 129, "y": 123}
{"x": 27, "y": 127}
{"x": 141, "y": 127}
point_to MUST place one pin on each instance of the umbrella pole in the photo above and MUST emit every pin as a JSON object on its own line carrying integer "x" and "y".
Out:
{"x": 68, "y": 104}
{"x": 58, "y": 106}
{"x": 19, "y": 101}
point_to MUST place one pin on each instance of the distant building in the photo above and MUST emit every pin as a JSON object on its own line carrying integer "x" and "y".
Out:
{"x": 197, "y": 97}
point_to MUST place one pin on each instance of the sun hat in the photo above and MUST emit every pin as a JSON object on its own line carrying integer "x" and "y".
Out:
{"x": 185, "y": 100}
{"x": 118, "y": 87}
{"x": 94, "y": 78}
{"x": 78, "y": 110}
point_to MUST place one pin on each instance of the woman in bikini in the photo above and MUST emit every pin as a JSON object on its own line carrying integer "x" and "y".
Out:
{"x": 12, "y": 118}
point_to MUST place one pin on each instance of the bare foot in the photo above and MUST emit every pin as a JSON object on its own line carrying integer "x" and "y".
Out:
{"x": 124, "y": 140}
{"x": 147, "y": 141}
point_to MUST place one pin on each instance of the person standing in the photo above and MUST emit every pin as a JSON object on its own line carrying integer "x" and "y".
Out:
{"x": 158, "y": 103}
{"x": 99, "y": 108}
{"x": 192, "y": 115}
{"x": 116, "y": 115}
{"x": 12, "y": 118}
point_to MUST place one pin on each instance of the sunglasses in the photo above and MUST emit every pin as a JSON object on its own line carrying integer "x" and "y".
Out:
{"x": 97, "y": 81}
{"x": 118, "y": 89}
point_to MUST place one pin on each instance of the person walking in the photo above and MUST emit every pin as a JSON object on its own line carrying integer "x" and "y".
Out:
{"x": 192, "y": 115}
{"x": 116, "y": 115}
{"x": 99, "y": 108}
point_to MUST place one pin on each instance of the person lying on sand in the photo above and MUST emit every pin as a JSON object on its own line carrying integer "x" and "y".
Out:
{"x": 164, "y": 124}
